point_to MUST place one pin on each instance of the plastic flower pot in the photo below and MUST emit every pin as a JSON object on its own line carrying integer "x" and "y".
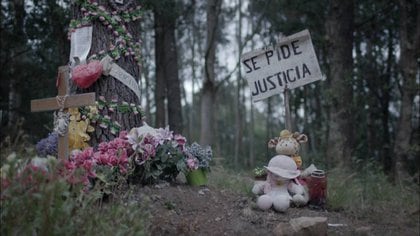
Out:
{"x": 197, "y": 177}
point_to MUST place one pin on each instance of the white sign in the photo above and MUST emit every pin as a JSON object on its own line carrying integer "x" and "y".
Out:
{"x": 289, "y": 64}
{"x": 80, "y": 43}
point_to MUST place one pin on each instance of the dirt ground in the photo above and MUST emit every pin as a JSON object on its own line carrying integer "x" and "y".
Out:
{"x": 180, "y": 209}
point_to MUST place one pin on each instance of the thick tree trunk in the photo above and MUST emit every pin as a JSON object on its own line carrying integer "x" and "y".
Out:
{"x": 409, "y": 45}
{"x": 108, "y": 86}
{"x": 167, "y": 80}
{"x": 209, "y": 86}
{"x": 160, "y": 88}
{"x": 340, "y": 35}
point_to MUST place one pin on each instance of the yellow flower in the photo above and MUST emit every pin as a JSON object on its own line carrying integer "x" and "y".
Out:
{"x": 93, "y": 110}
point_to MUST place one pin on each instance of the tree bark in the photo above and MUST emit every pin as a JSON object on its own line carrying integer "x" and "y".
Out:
{"x": 168, "y": 84}
{"x": 238, "y": 104}
{"x": 14, "y": 93}
{"x": 409, "y": 45}
{"x": 108, "y": 86}
{"x": 209, "y": 86}
{"x": 340, "y": 36}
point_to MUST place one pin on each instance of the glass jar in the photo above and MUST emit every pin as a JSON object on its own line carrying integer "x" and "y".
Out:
{"x": 317, "y": 186}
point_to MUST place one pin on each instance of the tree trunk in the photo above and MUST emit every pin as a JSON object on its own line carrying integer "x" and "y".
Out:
{"x": 409, "y": 45}
{"x": 167, "y": 80}
{"x": 55, "y": 17}
{"x": 340, "y": 36}
{"x": 193, "y": 71}
{"x": 108, "y": 86}
{"x": 386, "y": 151}
{"x": 160, "y": 87}
{"x": 209, "y": 86}
{"x": 238, "y": 105}
{"x": 14, "y": 94}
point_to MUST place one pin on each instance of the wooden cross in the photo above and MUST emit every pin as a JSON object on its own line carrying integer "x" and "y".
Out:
{"x": 67, "y": 101}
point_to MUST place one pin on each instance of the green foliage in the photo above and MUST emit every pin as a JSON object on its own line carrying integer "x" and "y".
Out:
{"x": 368, "y": 192}
{"x": 165, "y": 164}
{"x": 36, "y": 202}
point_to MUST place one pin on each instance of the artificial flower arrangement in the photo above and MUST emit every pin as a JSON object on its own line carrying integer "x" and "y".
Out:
{"x": 197, "y": 160}
{"x": 48, "y": 146}
{"x": 162, "y": 154}
{"x": 198, "y": 157}
{"x": 260, "y": 173}
{"x": 144, "y": 154}
{"x": 159, "y": 154}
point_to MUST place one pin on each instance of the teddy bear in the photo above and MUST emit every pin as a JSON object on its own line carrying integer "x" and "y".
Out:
{"x": 281, "y": 186}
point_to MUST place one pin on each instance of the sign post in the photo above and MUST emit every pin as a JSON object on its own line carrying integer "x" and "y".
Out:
{"x": 62, "y": 102}
{"x": 288, "y": 118}
{"x": 289, "y": 64}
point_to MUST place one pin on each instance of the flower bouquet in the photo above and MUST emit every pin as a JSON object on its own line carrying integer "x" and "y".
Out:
{"x": 197, "y": 164}
{"x": 260, "y": 173}
{"x": 103, "y": 167}
{"x": 159, "y": 154}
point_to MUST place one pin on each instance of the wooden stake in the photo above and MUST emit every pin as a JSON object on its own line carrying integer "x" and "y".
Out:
{"x": 48, "y": 104}
{"x": 287, "y": 118}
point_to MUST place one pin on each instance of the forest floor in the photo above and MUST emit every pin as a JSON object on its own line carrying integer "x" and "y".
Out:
{"x": 180, "y": 209}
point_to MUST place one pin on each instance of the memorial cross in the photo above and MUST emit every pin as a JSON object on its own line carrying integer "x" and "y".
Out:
{"x": 62, "y": 102}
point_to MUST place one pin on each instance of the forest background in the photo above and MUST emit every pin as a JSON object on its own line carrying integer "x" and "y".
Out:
{"x": 365, "y": 112}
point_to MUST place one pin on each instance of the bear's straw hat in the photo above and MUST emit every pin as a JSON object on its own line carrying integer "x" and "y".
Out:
{"x": 283, "y": 166}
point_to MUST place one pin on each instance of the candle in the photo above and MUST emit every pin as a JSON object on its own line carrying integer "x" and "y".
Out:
{"x": 317, "y": 186}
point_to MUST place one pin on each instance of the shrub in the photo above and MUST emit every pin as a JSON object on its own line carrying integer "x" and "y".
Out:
{"x": 38, "y": 201}
{"x": 367, "y": 192}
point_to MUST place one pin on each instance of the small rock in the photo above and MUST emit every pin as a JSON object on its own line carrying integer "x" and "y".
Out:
{"x": 302, "y": 226}
{"x": 283, "y": 229}
{"x": 309, "y": 225}
{"x": 218, "y": 219}
{"x": 201, "y": 192}
{"x": 162, "y": 185}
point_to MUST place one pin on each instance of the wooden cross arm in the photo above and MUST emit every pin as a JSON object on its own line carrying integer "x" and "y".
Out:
{"x": 47, "y": 104}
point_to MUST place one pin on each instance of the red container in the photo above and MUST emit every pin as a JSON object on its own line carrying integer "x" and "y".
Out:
{"x": 317, "y": 185}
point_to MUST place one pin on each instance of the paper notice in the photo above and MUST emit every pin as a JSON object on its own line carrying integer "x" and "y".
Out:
{"x": 81, "y": 41}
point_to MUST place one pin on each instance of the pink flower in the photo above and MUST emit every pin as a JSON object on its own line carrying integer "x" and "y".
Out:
{"x": 102, "y": 147}
{"x": 123, "y": 134}
{"x": 180, "y": 141}
{"x": 192, "y": 163}
{"x": 149, "y": 151}
{"x": 150, "y": 139}
{"x": 164, "y": 135}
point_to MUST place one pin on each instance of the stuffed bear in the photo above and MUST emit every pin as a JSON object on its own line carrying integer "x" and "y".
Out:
{"x": 281, "y": 186}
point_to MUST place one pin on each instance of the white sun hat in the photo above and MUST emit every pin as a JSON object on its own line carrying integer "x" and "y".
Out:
{"x": 283, "y": 166}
